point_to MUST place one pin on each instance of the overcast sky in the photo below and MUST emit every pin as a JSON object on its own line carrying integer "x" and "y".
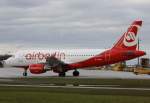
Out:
{"x": 71, "y": 23}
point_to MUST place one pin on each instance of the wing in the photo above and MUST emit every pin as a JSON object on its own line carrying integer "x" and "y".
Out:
{"x": 56, "y": 65}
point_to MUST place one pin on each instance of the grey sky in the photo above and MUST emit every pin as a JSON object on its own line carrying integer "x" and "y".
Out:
{"x": 78, "y": 23}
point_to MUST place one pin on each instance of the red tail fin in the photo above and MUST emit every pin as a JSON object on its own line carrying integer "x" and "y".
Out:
{"x": 129, "y": 39}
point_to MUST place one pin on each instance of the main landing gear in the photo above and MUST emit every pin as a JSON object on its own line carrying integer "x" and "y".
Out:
{"x": 76, "y": 73}
{"x": 62, "y": 74}
{"x": 25, "y": 72}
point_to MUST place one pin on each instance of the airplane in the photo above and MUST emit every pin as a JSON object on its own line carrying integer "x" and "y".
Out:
{"x": 62, "y": 60}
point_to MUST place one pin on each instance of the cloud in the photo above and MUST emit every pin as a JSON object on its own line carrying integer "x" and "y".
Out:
{"x": 22, "y": 3}
{"x": 138, "y": 1}
{"x": 85, "y": 23}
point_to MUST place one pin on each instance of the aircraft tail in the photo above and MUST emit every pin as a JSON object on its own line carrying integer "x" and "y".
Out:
{"x": 129, "y": 40}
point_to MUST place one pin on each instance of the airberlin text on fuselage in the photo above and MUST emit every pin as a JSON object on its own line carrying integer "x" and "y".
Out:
{"x": 41, "y": 56}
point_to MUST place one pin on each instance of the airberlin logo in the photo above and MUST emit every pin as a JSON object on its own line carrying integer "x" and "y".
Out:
{"x": 42, "y": 56}
{"x": 130, "y": 39}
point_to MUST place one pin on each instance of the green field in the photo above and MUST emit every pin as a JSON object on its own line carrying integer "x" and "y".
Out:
{"x": 73, "y": 95}
{"x": 47, "y": 95}
{"x": 84, "y": 81}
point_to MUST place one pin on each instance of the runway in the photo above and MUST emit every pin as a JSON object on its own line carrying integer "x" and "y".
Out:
{"x": 17, "y": 72}
{"x": 77, "y": 83}
{"x": 78, "y": 87}
{"x": 85, "y": 85}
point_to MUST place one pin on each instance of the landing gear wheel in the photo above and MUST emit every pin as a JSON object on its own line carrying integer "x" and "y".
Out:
{"x": 25, "y": 73}
{"x": 63, "y": 74}
{"x": 136, "y": 73}
{"x": 76, "y": 73}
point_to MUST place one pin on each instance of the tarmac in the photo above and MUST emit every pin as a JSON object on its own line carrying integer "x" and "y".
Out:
{"x": 7, "y": 73}
{"x": 108, "y": 87}
{"x": 17, "y": 72}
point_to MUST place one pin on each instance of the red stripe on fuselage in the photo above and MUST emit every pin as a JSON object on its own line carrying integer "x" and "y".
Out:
{"x": 107, "y": 57}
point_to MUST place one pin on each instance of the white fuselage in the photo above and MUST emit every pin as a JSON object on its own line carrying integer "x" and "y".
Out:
{"x": 27, "y": 57}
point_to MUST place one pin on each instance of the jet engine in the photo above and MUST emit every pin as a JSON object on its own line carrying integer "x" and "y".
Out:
{"x": 37, "y": 68}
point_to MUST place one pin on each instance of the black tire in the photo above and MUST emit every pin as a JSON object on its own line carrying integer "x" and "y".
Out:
{"x": 63, "y": 74}
{"x": 25, "y": 74}
{"x": 76, "y": 73}
{"x": 136, "y": 73}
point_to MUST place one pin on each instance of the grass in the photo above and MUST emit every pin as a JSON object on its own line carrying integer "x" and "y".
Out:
{"x": 55, "y": 95}
{"x": 86, "y": 81}
{"x": 76, "y": 91}
{"x": 76, "y": 95}
{"x": 48, "y": 97}
{"x": 68, "y": 98}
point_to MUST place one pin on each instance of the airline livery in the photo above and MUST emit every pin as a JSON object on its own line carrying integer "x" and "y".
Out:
{"x": 61, "y": 61}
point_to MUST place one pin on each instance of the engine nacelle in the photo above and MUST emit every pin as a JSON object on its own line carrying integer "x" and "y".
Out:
{"x": 37, "y": 68}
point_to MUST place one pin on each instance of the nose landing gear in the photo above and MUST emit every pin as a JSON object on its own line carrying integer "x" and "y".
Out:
{"x": 25, "y": 72}
{"x": 62, "y": 74}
